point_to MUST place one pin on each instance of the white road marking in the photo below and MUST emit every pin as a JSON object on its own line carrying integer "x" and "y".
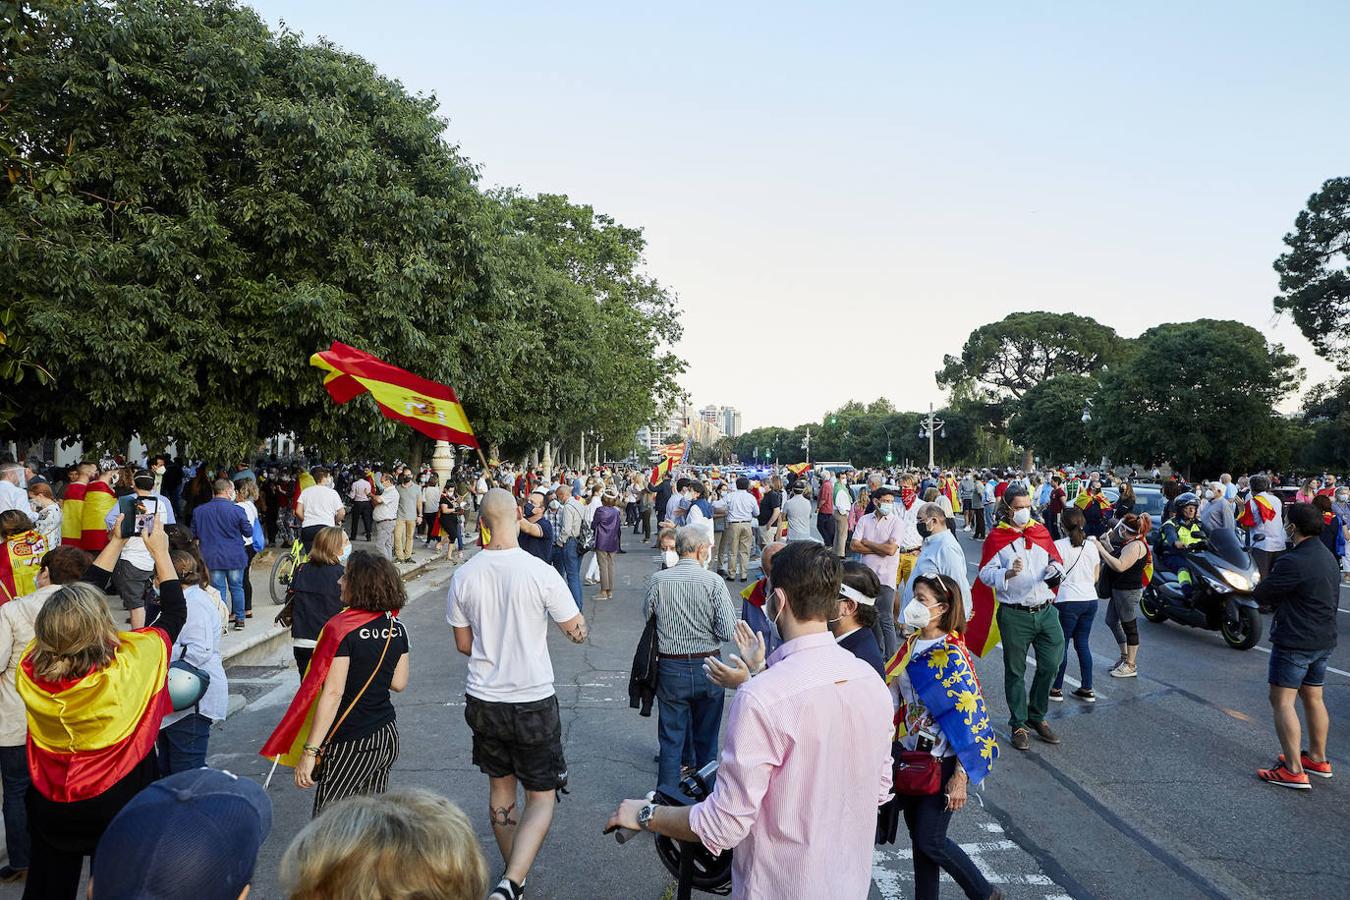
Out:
{"x": 1329, "y": 668}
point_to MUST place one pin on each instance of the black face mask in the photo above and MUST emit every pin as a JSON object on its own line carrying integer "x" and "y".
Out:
{"x": 924, "y": 530}
{"x": 529, "y": 510}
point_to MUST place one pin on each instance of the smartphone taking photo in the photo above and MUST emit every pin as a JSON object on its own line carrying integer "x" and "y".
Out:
{"x": 137, "y": 514}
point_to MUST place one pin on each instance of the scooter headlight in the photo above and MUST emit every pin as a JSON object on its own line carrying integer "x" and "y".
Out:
{"x": 1237, "y": 580}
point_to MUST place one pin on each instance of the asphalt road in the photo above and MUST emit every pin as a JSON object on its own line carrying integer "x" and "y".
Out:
{"x": 1151, "y": 795}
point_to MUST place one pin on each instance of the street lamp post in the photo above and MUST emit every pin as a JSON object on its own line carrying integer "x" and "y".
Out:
{"x": 806, "y": 444}
{"x": 930, "y": 427}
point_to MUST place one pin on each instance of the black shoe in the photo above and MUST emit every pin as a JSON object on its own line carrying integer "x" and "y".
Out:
{"x": 10, "y": 874}
{"x": 507, "y": 889}
{"x": 1086, "y": 695}
{"x": 621, "y": 550}
{"x": 743, "y": 579}
{"x": 1057, "y": 695}
{"x": 238, "y": 624}
{"x": 1021, "y": 739}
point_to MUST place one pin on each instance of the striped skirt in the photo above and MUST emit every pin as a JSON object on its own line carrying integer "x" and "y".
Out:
{"x": 356, "y": 767}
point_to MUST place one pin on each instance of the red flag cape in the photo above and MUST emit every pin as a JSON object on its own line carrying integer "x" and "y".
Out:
{"x": 431, "y": 408}
{"x": 289, "y": 736}
{"x": 754, "y": 593}
{"x": 982, "y": 630}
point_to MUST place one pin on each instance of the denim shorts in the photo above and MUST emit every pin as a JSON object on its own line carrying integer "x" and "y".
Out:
{"x": 1298, "y": 668}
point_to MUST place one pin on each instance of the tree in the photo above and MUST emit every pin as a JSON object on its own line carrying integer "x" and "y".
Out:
{"x": 1326, "y": 415}
{"x": 1197, "y": 394}
{"x": 1010, "y": 356}
{"x": 1049, "y": 420}
{"x": 1315, "y": 272}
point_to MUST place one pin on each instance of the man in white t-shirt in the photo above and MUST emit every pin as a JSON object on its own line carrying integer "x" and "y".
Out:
{"x": 499, "y": 606}
{"x": 135, "y": 569}
{"x": 1264, "y": 512}
{"x": 798, "y": 512}
{"x": 318, "y": 506}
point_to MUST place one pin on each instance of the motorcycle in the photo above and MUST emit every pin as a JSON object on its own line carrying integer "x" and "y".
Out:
{"x": 690, "y": 863}
{"x": 1223, "y": 577}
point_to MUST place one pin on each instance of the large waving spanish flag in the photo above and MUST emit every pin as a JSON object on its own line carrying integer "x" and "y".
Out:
{"x": 288, "y": 738}
{"x": 431, "y": 408}
{"x": 85, "y": 734}
{"x": 982, "y": 631}
{"x": 798, "y": 468}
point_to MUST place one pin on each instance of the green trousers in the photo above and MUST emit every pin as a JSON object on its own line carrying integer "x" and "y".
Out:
{"x": 1039, "y": 630}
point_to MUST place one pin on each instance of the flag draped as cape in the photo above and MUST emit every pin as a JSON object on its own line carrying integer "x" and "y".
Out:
{"x": 72, "y": 515}
{"x": 944, "y": 681}
{"x": 288, "y": 738}
{"x": 982, "y": 631}
{"x": 85, "y": 734}
{"x": 1255, "y": 511}
{"x": 99, "y": 500}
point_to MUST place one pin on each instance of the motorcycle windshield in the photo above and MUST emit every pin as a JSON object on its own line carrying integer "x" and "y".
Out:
{"x": 1224, "y": 543}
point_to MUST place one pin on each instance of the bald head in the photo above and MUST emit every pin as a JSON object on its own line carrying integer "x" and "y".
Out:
{"x": 766, "y": 557}
{"x": 498, "y": 509}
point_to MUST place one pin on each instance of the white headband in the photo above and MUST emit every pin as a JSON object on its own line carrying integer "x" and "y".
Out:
{"x": 857, "y": 596}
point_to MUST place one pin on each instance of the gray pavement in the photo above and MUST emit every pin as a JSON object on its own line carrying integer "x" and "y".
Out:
{"x": 1152, "y": 794}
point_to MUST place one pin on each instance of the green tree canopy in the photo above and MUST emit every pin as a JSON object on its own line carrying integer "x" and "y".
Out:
{"x": 1196, "y": 394}
{"x": 1049, "y": 419}
{"x": 1315, "y": 272}
{"x": 195, "y": 204}
{"x": 1010, "y": 356}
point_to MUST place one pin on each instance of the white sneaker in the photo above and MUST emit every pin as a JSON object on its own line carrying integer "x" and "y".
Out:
{"x": 1125, "y": 670}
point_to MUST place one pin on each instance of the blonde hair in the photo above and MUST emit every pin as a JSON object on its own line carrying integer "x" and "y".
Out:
{"x": 245, "y": 489}
{"x": 402, "y": 845}
{"x": 73, "y": 633}
{"x": 327, "y": 546}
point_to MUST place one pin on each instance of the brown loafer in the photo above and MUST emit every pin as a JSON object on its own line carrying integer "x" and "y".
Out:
{"x": 1021, "y": 740}
{"x": 1044, "y": 733}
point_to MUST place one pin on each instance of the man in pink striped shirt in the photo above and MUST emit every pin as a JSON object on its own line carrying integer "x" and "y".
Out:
{"x": 807, "y": 756}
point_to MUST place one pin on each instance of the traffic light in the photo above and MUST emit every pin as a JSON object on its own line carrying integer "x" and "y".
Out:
{"x": 834, "y": 420}
{"x": 888, "y": 457}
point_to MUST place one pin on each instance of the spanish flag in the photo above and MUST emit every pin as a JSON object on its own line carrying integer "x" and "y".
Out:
{"x": 431, "y": 408}
{"x": 72, "y": 515}
{"x": 1099, "y": 499}
{"x": 305, "y": 480}
{"x": 1255, "y": 511}
{"x": 673, "y": 454}
{"x": 85, "y": 734}
{"x": 99, "y": 500}
{"x": 949, "y": 490}
{"x": 798, "y": 468}
{"x": 20, "y": 560}
{"x": 754, "y": 593}
{"x": 289, "y": 737}
{"x": 982, "y": 631}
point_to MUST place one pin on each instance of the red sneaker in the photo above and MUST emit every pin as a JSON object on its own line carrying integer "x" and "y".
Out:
{"x": 1284, "y": 778}
{"x": 1320, "y": 769}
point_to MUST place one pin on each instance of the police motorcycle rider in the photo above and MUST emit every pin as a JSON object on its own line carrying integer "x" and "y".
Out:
{"x": 1182, "y": 534}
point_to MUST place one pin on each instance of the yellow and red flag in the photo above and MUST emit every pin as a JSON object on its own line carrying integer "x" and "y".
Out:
{"x": 99, "y": 500}
{"x": 982, "y": 631}
{"x": 949, "y": 490}
{"x": 673, "y": 454}
{"x": 798, "y": 468}
{"x": 431, "y": 408}
{"x": 20, "y": 560}
{"x": 288, "y": 738}
{"x": 1255, "y": 511}
{"x": 85, "y": 734}
{"x": 72, "y": 515}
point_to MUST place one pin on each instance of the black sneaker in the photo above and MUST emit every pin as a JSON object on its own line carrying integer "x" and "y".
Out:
{"x": 9, "y": 874}
{"x": 1057, "y": 695}
{"x": 238, "y": 624}
{"x": 1086, "y": 695}
{"x": 507, "y": 889}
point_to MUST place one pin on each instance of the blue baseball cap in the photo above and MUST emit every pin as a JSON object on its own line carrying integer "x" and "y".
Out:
{"x": 194, "y": 834}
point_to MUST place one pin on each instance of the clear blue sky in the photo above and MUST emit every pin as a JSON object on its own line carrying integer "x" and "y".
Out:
{"x": 817, "y": 179}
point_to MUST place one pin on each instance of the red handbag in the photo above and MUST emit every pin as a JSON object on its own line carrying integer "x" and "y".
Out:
{"x": 917, "y": 773}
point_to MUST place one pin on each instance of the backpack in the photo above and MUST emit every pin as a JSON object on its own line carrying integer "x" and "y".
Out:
{"x": 586, "y": 539}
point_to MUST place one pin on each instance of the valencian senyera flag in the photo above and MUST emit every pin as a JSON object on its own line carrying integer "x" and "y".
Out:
{"x": 944, "y": 681}
{"x": 982, "y": 631}
{"x": 288, "y": 738}
{"x": 431, "y": 408}
{"x": 672, "y": 455}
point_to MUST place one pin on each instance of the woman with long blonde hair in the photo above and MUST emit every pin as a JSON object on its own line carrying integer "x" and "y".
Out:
{"x": 95, "y": 699}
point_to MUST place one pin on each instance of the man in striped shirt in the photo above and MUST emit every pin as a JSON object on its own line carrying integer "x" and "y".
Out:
{"x": 694, "y": 617}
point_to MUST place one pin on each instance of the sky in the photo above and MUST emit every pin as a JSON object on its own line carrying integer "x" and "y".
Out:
{"x": 840, "y": 192}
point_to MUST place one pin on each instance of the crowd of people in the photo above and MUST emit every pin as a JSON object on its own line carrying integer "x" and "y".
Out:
{"x": 856, "y": 634}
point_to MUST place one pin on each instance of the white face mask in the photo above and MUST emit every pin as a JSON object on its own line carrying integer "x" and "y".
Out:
{"x": 886, "y": 508}
{"x": 159, "y": 470}
{"x": 1021, "y": 517}
{"x": 670, "y": 558}
{"x": 916, "y": 615}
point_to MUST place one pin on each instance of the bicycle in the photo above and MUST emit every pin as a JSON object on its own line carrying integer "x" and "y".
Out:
{"x": 284, "y": 569}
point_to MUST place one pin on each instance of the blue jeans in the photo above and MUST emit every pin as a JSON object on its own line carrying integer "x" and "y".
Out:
{"x": 230, "y": 583}
{"x": 989, "y": 509}
{"x": 1075, "y": 617}
{"x": 687, "y": 703}
{"x": 927, "y": 819}
{"x": 14, "y": 775}
{"x": 568, "y": 564}
{"x": 182, "y": 745}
